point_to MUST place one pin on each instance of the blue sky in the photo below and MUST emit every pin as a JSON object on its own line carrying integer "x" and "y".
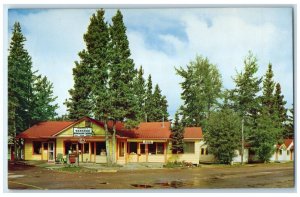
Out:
{"x": 161, "y": 39}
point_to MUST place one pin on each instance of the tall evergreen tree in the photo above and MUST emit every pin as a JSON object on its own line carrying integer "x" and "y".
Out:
{"x": 43, "y": 106}
{"x": 201, "y": 90}
{"x": 149, "y": 103}
{"x": 279, "y": 108}
{"x": 140, "y": 94}
{"x": 268, "y": 90}
{"x": 160, "y": 105}
{"x": 90, "y": 74}
{"x": 177, "y": 135}
{"x": 264, "y": 136}
{"x": 289, "y": 127}
{"x": 20, "y": 78}
{"x": 121, "y": 75}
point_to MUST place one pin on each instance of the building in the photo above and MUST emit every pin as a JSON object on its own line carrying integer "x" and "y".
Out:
{"x": 149, "y": 142}
{"x": 284, "y": 151}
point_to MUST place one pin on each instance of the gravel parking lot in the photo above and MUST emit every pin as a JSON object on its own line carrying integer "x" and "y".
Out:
{"x": 205, "y": 177}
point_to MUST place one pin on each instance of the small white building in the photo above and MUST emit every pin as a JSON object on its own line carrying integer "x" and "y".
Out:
{"x": 284, "y": 151}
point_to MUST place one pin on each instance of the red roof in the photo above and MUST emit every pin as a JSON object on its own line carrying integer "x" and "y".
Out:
{"x": 45, "y": 129}
{"x": 287, "y": 142}
{"x": 193, "y": 132}
{"x": 149, "y": 130}
{"x": 145, "y": 130}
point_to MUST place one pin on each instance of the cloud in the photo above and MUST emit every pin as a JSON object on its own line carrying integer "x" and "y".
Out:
{"x": 161, "y": 39}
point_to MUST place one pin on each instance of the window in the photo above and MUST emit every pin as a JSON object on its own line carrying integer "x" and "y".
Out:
{"x": 86, "y": 147}
{"x": 280, "y": 152}
{"x": 45, "y": 146}
{"x": 67, "y": 147}
{"x": 288, "y": 152}
{"x": 100, "y": 148}
{"x": 206, "y": 152}
{"x": 133, "y": 147}
{"x": 160, "y": 148}
{"x": 189, "y": 147}
{"x": 37, "y": 148}
{"x": 92, "y": 147}
{"x": 152, "y": 148}
{"x": 143, "y": 148}
{"x": 202, "y": 151}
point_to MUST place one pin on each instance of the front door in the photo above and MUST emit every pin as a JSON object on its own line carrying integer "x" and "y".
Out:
{"x": 51, "y": 151}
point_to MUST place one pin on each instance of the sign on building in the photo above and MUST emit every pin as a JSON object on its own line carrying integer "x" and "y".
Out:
{"x": 85, "y": 131}
{"x": 147, "y": 142}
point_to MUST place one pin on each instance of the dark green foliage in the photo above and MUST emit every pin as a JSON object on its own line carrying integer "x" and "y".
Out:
{"x": 140, "y": 95}
{"x": 89, "y": 95}
{"x": 43, "y": 107}
{"x": 149, "y": 103}
{"x": 122, "y": 72}
{"x": 265, "y": 136}
{"x": 268, "y": 90}
{"x": 279, "y": 106}
{"x": 222, "y": 134}
{"x": 201, "y": 90}
{"x": 244, "y": 97}
{"x": 177, "y": 135}
{"x": 289, "y": 127}
{"x": 20, "y": 79}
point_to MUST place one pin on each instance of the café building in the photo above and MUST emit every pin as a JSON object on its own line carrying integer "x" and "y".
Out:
{"x": 148, "y": 142}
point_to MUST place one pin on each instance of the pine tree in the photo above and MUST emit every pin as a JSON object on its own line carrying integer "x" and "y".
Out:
{"x": 177, "y": 136}
{"x": 43, "y": 107}
{"x": 289, "y": 127}
{"x": 279, "y": 109}
{"x": 159, "y": 112}
{"x": 149, "y": 104}
{"x": 201, "y": 90}
{"x": 268, "y": 90}
{"x": 90, "y": 74}
{"x": 222, "y": 134}
{"x": 140, "y": 94}
{"x": 19, "y": 83}
{"x": 121, "y": 76}
{"x": 264, "y": 136}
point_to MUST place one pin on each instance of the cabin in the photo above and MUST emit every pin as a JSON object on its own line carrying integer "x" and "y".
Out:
{"x": 284, "y": 152}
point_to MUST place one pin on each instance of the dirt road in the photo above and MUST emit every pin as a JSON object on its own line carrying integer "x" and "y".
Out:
{"x": 249, "y": 176}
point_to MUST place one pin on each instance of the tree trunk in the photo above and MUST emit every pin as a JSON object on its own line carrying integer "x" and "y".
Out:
{"x": 108, "y": 158}
{"x": 114, "y": 143}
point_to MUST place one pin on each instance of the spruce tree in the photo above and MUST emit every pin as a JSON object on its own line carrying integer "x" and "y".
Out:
{"x": 43, "y": 106}
{"x": 268, "y": 90}
{"x": 20, "y": 78}
{"x": 121, "y": 75}
{"x": 279, "y": 109}
{"x": 201, "y": 90}
{"x": 140, "y": 94}
{"x": 159, "y": 112}
{"x": 149, "y": 103}
{"x": 289, "y": 127}
{"x": 177, "y": 135}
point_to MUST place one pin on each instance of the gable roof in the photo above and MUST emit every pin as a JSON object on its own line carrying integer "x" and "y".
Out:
{"x": 193, "y": 133}
{"x": 45, "y": 129}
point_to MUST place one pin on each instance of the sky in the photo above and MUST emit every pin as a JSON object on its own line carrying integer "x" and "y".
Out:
{"x": 162, "y": 39}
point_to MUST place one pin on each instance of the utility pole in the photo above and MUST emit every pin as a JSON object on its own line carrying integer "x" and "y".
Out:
{"x": 242, "y": 151}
